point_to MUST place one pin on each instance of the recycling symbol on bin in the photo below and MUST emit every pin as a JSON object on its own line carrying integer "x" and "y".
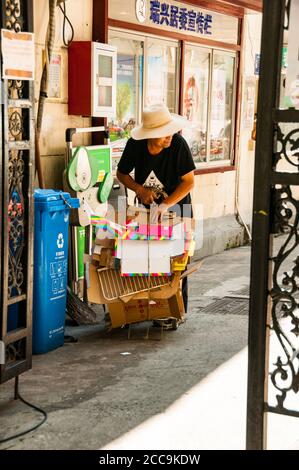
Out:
{"x": 60, "y": 241}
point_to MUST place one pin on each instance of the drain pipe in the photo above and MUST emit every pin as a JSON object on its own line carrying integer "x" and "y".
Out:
{"x": 43, "y": 94}
{"x": 237, "y": 160}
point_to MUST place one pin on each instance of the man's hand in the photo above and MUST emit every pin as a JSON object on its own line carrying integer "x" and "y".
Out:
{"x": 156, "y": 212}
{"x": 146, "y": 195}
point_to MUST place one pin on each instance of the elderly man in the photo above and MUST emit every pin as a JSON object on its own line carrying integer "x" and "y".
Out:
{"x": 162, "y": 163}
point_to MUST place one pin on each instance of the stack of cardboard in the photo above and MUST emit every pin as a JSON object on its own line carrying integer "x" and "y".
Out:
{"x": 136, "y": 268}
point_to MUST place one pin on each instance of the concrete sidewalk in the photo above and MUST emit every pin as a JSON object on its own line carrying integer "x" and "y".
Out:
{"x": 183, "y": 390}
{"x": 210, "y": 416}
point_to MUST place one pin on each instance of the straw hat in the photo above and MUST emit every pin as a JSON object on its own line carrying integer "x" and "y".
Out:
{"x": 157, "y": 122}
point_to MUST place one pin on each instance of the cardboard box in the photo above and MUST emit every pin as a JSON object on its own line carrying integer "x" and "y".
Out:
{"x": 106, "y": 258}
{"x": 179, "y": 263}
{"x": 94, "y": 291}
{"x": 142, "y": 256}
{"x": 142, "y": 216}
{"x": 151, "y": 256}
{"x": 140, "y": 298}
{"x": 105, "y": 242}
{"x": 142, "y": 310}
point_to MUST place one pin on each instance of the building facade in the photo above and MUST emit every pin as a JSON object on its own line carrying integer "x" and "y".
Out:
{"x": 200, "y": 59}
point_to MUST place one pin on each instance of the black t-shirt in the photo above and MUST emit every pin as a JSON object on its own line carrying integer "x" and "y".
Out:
{"x": 160, "y": 172}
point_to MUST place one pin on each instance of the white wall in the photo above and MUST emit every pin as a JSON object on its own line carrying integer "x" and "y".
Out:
{"x": 246, "y": 155}
{"x": 55, "y": 116}
{"x": 213, "y": 194}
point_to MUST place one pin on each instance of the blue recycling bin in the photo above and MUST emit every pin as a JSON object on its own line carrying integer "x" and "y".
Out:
{"x": 52, "y": 210}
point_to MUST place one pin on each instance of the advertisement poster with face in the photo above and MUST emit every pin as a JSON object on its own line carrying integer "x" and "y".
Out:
{"x": 195, "y": 102}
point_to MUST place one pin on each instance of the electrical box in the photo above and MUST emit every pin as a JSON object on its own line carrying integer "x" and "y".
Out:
{"x": 92, "y": 79}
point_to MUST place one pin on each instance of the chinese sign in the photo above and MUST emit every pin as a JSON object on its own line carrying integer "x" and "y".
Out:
{"x": 18, "y": 55}
{"x": 180, "y": 18}
{"x": 177, "y": 17}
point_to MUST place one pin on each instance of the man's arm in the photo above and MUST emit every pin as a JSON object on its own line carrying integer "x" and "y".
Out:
{"x": 146, "y": 195}
{"x": 178, "y": 194}
{"x": 181, "y": 191}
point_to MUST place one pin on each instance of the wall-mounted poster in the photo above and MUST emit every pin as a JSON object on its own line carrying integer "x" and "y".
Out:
{"x": 196, "y": 79}
{"x": 54, "y": 90}
{"x": 125, "y": 119}
{"x": 128, "y": 92}
{"x": 18, "y": 55}
{"x": 249, "y": 103}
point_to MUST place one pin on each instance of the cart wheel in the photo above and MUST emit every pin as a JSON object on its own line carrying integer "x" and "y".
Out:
{"x": 174, "y": 324}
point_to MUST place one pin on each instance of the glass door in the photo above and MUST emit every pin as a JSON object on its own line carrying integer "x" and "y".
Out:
{"x": 129, "y": 89}
{"x": 209, "y": 103}
{"x": 221, "y": 120}
{"x": 196, "y": 98}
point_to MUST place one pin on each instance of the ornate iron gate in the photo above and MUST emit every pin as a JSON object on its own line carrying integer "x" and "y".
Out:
{"x": 273, "y": 375}
{"x": 16, "y": 207}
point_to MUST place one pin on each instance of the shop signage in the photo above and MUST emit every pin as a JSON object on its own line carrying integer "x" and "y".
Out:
{"x": 140, "y": 10}
{"x": 180, "y": 18}
{"x": 176, "y": 17}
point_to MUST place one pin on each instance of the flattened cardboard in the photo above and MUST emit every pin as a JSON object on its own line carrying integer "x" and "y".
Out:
{"x": 179, "y": 263}
{"x": 137, "y": 311}
{"x": 94, "y": 291}
{"x": 106, "y": 258}
{"x": 117, "y": 314}
{"x": 164, "y": 292}
{"x": 105, "y": 242}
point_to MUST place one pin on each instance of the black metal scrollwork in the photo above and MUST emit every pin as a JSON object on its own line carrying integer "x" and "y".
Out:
{"x": 16, "y": 186}
{"x": 15, "y": 124}
{"x": 16, "y": 89}
{"x": 14, "y": 19}
{"x": 15, "y": 351}
{"x": 16, "y": 219}
{"x": 288, "y": 147}
{"x": 285, "y": 298}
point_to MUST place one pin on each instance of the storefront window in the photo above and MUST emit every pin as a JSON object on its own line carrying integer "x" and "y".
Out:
{"x": 208, "y": 103}
{"x": 129, "y": 92}
{"x": 161, "y": 74}
{"x": 148, "y": 73}
{"x": 221, "y": 106}
{"x": 196, "y": 87}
